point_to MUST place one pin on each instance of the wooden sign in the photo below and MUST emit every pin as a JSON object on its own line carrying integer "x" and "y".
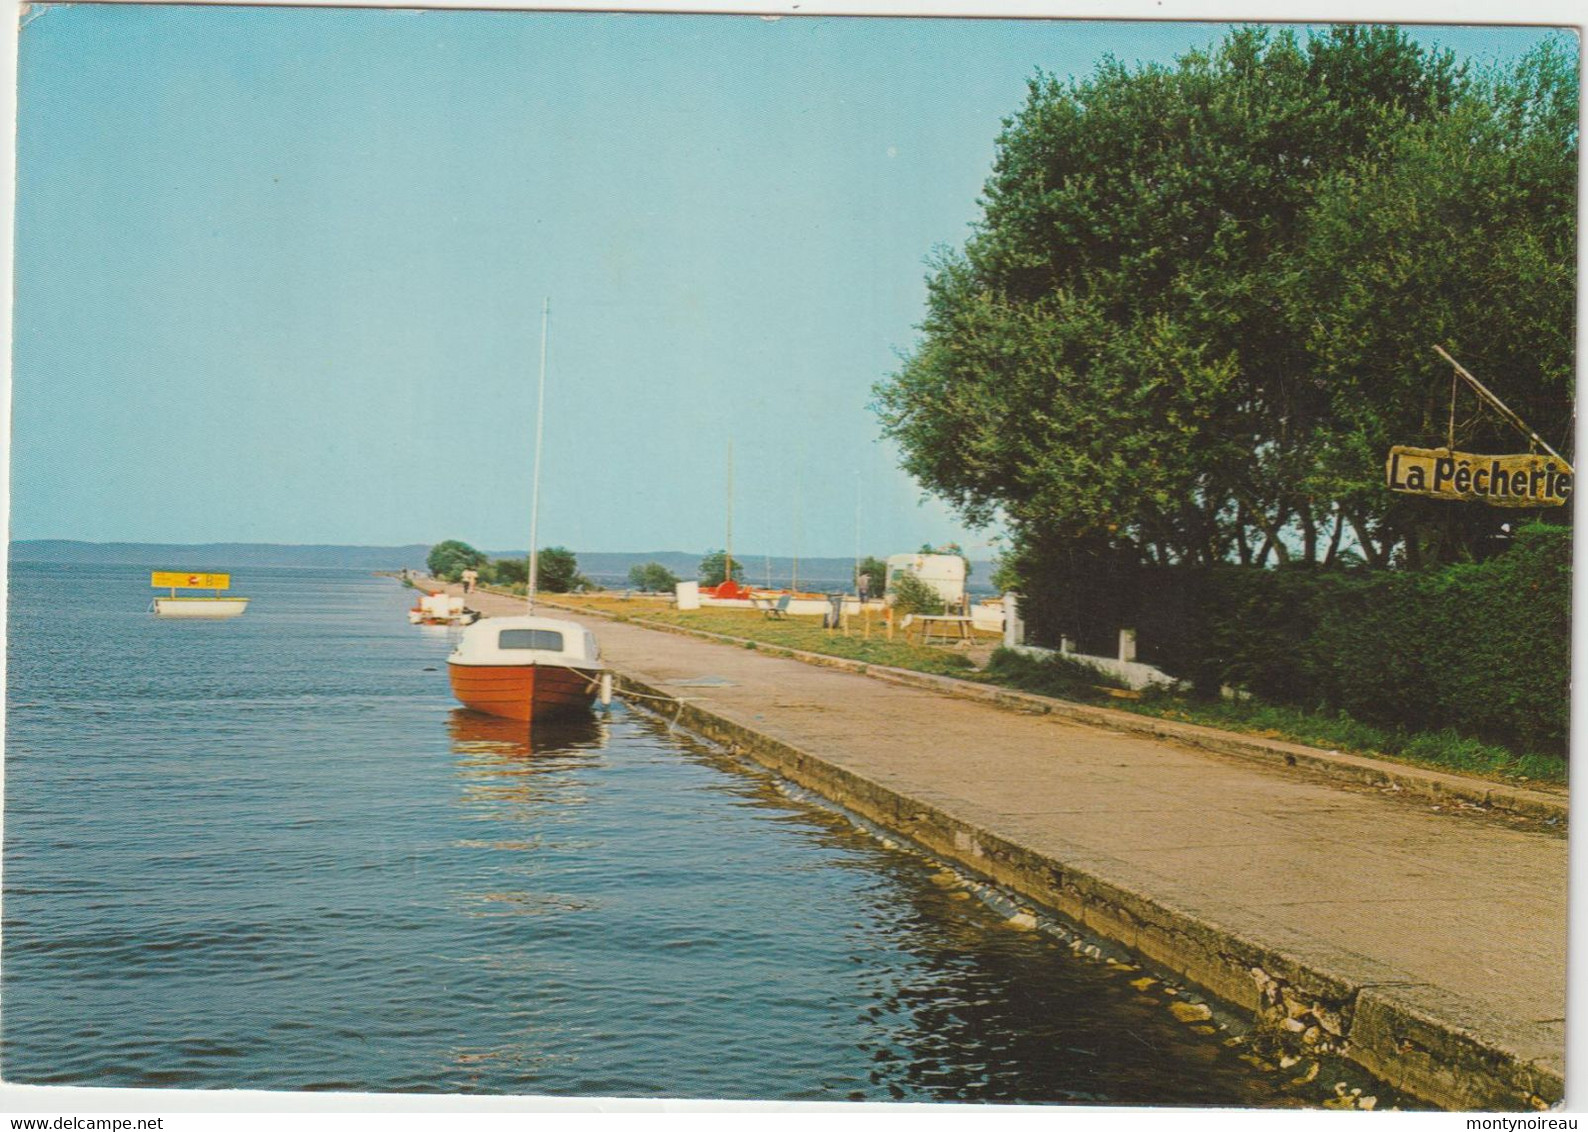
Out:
{"x": 1525, "y": 480}
{"x": 170, "y": 580}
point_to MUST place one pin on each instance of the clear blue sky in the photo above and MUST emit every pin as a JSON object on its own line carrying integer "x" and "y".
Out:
{"x": 279, "y": 271}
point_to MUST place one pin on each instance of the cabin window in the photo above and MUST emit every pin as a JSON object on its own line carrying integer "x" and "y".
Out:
{"x": 548, "y": 639}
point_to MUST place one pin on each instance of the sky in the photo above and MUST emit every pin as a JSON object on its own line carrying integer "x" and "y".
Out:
{"x": 280, "y": 271}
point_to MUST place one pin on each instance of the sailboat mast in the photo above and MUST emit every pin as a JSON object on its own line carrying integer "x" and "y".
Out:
{"x": 540, "y": 431}
{"x": 857, "y": 533}
{"x": 727, "y": 565}
{"x": 794, "y": 581}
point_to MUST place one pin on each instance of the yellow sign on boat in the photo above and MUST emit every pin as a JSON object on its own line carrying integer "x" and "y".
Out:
{"x": 170, "y": 580}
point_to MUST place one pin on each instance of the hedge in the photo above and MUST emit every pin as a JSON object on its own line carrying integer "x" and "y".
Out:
{"x": 1483, "y": 648}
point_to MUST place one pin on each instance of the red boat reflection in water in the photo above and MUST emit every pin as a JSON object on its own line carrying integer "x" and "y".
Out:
{"x": 475, "y": 733}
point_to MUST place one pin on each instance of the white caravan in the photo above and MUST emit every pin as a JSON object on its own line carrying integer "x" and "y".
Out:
{"x": 945, "y": 573}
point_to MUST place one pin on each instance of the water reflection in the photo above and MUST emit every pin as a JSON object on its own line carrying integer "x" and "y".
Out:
{"x": 475, "y": 733}
{"x": 527, "y": 787}
{"x": 993, "y": 1014}
{"x": 527, "y": 775}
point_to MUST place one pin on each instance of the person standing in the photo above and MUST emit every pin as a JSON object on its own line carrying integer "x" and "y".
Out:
{"x": 470, "y": 576}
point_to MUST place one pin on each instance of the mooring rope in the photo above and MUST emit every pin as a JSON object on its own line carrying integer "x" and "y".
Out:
{"x": 593, "y": 683}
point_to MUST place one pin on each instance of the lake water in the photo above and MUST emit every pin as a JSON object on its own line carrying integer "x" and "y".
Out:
{"x": 271, "y": 853}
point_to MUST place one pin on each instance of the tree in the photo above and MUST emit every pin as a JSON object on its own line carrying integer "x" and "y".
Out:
{"x": 713, "y": 570}
{"x": 875, "y": 572}
{"x": 448, "y": 560}
{"x": 652, "y": 577}
{"x": 1463, "y": 234}
{"x": 510, "y": 571}
{"x": 1111, "y": 359}
{"x": 557, "y": 571}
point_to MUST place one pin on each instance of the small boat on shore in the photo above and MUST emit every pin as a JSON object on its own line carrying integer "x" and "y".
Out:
{"x": 193, "y": 605}
{"x": 526, "y": 667}
{"x": 440, "y": 609}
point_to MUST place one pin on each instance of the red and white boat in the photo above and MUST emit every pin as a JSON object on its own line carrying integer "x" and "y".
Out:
{"x": 526, "y": 667}
{"x": 439, "y": 609}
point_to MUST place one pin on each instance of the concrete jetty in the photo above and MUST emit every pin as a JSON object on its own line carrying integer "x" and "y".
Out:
{"x": 1425, "y": 941}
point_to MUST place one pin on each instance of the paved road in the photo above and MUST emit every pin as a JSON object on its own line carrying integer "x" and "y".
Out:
{"x": 1461, "y": 914}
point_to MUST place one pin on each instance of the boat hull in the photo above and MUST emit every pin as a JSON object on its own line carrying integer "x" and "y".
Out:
{"x": 523, "y": 691}
{"x": 208, "y": 607}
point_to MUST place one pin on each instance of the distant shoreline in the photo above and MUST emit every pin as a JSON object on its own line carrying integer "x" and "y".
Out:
{"x": 216, "y": 556}
{"x": 608, "y": 568}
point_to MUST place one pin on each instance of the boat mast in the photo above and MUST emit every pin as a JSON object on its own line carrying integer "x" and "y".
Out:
{"x": 857, "y": 533}
{"x": 794, "y": 581}
{"x": 728, "y": 550}
{"x": 540, "y": 431}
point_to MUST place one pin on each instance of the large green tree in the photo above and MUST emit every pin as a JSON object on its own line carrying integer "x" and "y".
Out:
{"x": 875, "y": 571}
{"x": 557, "y": 570}
{"x": 450, "y": 558}
{"x": 1143, "y": 347}
{"x": 1463, "y": 234}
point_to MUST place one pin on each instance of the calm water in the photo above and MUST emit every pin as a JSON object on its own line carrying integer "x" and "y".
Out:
{"x": 270, "y": 853}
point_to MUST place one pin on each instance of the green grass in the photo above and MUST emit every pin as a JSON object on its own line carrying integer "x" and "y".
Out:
{"x": 1438, "y": 750}
{"x": 802, "y": 633}
{"x": 1050, "y": 676}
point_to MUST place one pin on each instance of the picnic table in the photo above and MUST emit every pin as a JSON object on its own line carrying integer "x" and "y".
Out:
{"x": 948, "y": 626}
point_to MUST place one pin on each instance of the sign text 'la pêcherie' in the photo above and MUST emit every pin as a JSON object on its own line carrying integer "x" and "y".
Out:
{"x": 1525, "y": 480}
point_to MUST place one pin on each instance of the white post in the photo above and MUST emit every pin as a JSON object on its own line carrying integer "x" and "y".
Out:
{"x": 1066, "y": 645}
{"x": 1127, "y": 645}
{"x": 1014, "y": 627}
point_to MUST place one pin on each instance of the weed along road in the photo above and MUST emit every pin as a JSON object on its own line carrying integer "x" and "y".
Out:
{"x": 1425, "y": 942}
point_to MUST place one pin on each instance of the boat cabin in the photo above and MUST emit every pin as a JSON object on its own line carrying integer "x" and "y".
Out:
{"x": 526, "y": 639}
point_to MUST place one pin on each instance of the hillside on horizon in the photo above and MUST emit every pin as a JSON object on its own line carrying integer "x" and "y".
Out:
{"x": 219, "y": 556}
{"x": 610, "y": 568}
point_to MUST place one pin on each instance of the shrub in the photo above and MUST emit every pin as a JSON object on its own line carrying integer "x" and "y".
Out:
{"x": 1482, "y": 649}
{"x": 557, "y": 570}
{"x": 911, "y": 595}
{"x": 1048, "y": 676}
{"x": 714, "y": 568}
{"x": 652, "y": 577}
{"x": 509, "y": 571}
